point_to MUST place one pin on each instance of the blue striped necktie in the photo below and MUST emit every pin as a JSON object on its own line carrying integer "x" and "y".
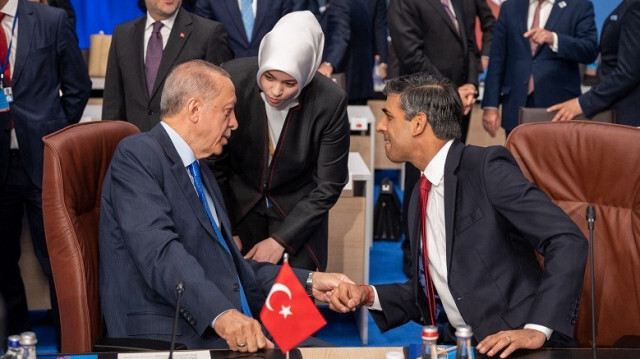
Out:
{"x": 194, "y": 169}
{"x": 247, "y": 17}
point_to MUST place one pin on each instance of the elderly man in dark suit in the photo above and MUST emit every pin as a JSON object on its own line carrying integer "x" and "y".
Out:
{"x": 619, "y": 70}
{"x": 246, "y": 21}
{"x": 144, "y": 50}
{"x": 163, "y": 221}
{"x": 50, "y": 87}
{"x": 475, "y": 225}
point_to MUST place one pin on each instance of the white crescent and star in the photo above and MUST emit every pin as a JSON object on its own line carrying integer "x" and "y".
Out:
{"x": 279, "y": 287}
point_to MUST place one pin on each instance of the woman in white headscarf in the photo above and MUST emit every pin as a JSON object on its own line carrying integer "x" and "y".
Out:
{"x": 286, "y": 164}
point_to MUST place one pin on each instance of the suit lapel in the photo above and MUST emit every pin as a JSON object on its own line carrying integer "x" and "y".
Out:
{"x": 440, "y": 10}
{"x": 450, "y": 193}
{"x": 138, "y": 33}
{"x": 221, "y": 210}
{"x": 522, "y": 11}
{"x": 26, "y": 32}
{"x": 261, "y": 10}
{"x": 177, "y": 39}
{"x": 236, "y": 16}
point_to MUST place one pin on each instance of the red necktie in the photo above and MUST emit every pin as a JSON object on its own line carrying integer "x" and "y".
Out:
{"x": 534, "y": 45}
{"x": 425, "y": 186}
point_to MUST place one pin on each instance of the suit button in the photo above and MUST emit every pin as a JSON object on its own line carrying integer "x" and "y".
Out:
{"x": 236, "y": 287}
{"x": 181, "y": 310}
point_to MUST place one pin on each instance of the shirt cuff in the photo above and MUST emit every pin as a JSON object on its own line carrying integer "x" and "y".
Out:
{"x": 546, "y": 331}
{"x": 376, "y": 302}
{"x": 554, "y": 46}
{"x": 216, "y": 318}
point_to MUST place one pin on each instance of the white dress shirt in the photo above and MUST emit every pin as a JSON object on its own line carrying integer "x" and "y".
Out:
{"x": 545, "y": 10}
{"x": 165, "y": 31}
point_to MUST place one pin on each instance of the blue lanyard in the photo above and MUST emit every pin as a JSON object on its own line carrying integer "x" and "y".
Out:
{"x": 6, "y": 58}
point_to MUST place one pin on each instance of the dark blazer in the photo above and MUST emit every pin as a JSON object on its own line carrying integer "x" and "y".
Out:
{"x": 556, "y": 75}
{"x": 154, "y": 233}
{"x": 619, "y": 69}
{"x": 125, "y": 89}
{"x": 494, "y": 221}
{"x": 47, "y": 60}
{"x": 425, "y": 40}
{"x": 228, "y": 13}
{"x": 309, "y": 166}
{"x": 348, "y": 45}
{"x": 378, "y": 16}
{"x": 481, "y": 10}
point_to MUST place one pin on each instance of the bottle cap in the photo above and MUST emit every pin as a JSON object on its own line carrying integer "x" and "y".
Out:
{"x": 14, "y": 341}
{"x": 28, "y": 338}
{"x": 394, "y": 355}
{"x": 429, "y": 332}
{"x": 464, "y": 331}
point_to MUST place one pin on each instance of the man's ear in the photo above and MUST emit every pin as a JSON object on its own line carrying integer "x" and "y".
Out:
{"x": 419, "y": 124}
{"x": 194, "y": 108}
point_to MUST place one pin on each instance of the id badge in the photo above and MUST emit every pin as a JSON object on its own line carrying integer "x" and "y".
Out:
{"x": 8, "y": 94}
{"x": 4, "y": 104}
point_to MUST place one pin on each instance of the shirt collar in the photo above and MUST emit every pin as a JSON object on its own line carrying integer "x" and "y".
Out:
{"x": 435, "y": 169}
{"x": 10, "y": 8}
{"x": 168, "y": 23}
{"x": 184, "y": 151}
{"x": 549, "y": 1}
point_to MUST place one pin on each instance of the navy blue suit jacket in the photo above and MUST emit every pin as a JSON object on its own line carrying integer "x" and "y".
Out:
{"x": 619, "y": 70}
{"x": 154, "y": 233}
{"x": 495, "y": 220}
{"x": 556, "y": 75}
{"x": 228, "y": 13}
{"x": 47, "y": 60}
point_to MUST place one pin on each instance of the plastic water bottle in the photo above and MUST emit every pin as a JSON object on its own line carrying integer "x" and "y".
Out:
{"x": 464, "y": 350}
{"x": 28, "y": 342}
{"x": 429, "y": 341}
{"x": 14, "y": 351}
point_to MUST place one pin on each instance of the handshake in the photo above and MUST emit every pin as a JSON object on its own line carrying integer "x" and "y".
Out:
{"x": 342, "y": 294}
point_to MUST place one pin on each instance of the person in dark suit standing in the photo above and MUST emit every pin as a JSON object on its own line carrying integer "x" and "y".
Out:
{"x": 286, "y": 165}
{"x": 480, "y": 9}
{"x": 475, "y": 225}
{"x": 378, "y": 17}
{"x": 246, "y": 21}
{"x": 349, "y": 47}
{"x": 50, "y": 86}
{"x": 163, "y": 221}
{"x": 537, "y": 48}
{"x": 619, "y": 71}
{"x": 144, "y": 50}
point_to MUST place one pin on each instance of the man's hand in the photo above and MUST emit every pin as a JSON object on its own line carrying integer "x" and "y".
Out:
{"x": 567, "y": 110}
{"x": 267, "y": 250}
{"x": 467, "y": 95}
{"x": 491, "y": 121}
{"x": 325, "y": 283}
{"x": 348, "y": 297}
{"x": 238, "y": 242}
{"x": 326, "y": 69}
{"x": 510, "y": 340}
{"x": 540, "y": 36}
{"x": 241, "y": 332}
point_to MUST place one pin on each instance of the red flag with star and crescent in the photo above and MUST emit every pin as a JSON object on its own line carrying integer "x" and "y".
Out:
{"x": 289, "y": 314}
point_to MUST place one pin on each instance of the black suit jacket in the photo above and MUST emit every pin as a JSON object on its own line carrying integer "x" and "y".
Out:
{"x": 48, "y": 61}
{"x": 425, "y": 40}
{"x": 494, "y": 221}
{"x": 619, "y": 70}
{"x": 479, "y": 9}
{"x": 268, "y": 12}
{"x": 309, "y": 166}
{"x": 378, "y": 16}
{"x": 125, "y": 90}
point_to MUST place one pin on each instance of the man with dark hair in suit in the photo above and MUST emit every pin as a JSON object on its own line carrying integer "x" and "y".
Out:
{"x": 537, "y": 48}
{"x": 619, "y": 71}
{"x": 50, "y": 86}
{"x": 246, "y": 21}
{"x": 163, "y": 221}
{"x": 475, "y": 226}
{"x": 144, "y": 50}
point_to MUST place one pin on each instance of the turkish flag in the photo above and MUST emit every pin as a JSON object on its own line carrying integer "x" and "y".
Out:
{"x": 288, "y": 313}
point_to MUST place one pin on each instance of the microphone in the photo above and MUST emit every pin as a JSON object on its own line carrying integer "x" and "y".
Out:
{"x": 591, "y": 220}
{"x": 179, "y": 290}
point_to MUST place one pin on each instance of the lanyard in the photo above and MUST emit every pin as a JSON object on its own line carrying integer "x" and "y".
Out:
{"x": 5, "y": 63}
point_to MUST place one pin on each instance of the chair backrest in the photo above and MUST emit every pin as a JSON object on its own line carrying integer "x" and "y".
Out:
{"x": 76, "y": 159}
{"x": 578, "y": 163}
{"x": 529, "y": 115}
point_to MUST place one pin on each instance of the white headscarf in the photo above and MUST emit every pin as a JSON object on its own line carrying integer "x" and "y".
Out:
{"x": 294, "y": 46}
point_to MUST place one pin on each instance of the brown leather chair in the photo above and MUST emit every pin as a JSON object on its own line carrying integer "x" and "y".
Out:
{"x": 578, "y": 163}
{"x": 76, "y": 159}
{"x": 529, "y": 115}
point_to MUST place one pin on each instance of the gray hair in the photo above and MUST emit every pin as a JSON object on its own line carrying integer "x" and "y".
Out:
{"x": 433, "y": 95}
{"x": 190, "y": 79}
